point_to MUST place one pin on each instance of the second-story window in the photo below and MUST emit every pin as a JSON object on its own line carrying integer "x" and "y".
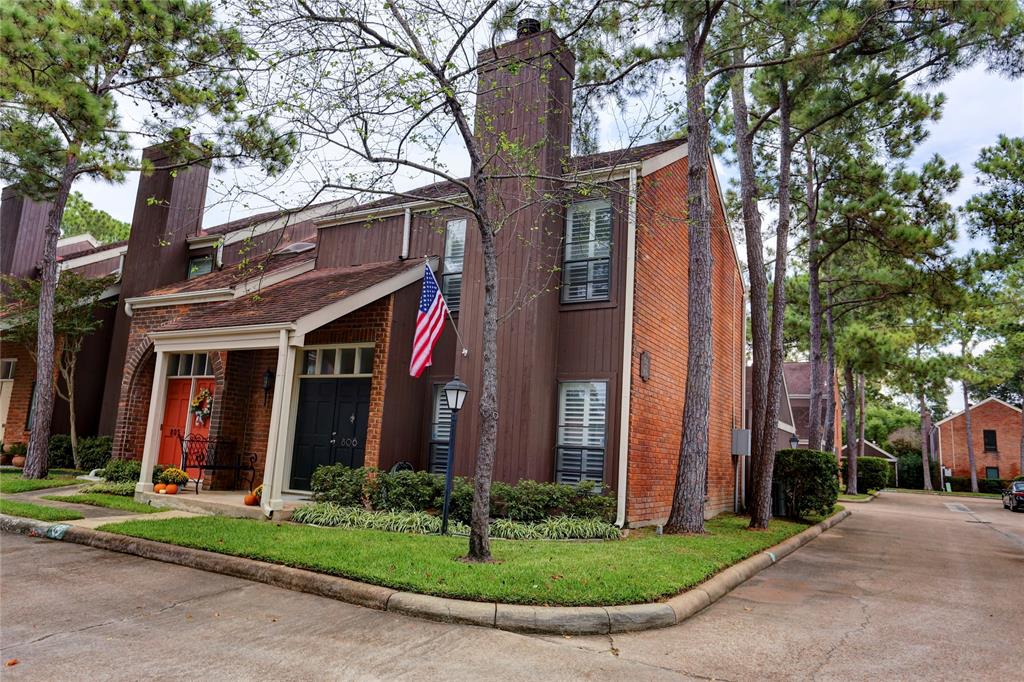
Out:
{"x": 199, "y": 265}
{"x": 454, "y": 254}
{"x": 991, "y": 444}
{"x": 586, "y": 265}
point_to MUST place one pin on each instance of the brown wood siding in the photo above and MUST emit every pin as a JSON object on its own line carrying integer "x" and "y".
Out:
{"x": 260, "y": 244}
{"x": 89, "y": 375}
{"x": 100, "y": 268}
{"x": 22, "y": 232}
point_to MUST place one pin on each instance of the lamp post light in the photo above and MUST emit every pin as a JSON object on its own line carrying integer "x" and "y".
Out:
{"x": 455, "y": 393}
{"x": 794, "y": 442}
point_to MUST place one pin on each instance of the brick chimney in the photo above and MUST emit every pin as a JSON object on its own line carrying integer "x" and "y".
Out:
{"x": 168, "y": 209}
{"x": 524, "y": 97}
{"x": 22, "y": 232}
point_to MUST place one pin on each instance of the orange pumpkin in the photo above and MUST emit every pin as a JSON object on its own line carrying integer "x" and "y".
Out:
{"x": 159, "y": 488}
{"x": 171, "y": 489}
{"x": 250, "y": 500}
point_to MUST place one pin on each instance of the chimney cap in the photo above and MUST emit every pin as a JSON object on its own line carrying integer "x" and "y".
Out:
{"x": 527, "y": 27}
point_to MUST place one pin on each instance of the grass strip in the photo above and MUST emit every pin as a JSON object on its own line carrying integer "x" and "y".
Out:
{"x": 642, "y": 568}
{"x": 105, "y": 500}
{"x": 12, "y": 483}
{"x": 37, "y": 511}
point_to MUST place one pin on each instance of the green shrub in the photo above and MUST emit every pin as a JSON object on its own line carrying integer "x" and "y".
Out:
{"x": 94, "y": 452}
{"x": 808, "y": 479}
{"x": 461, "y": 506}
{"x": 126, "y": 488}
{"x": 17, "y": 449}
{"x": 341, "y": 485}
{"x": 962, "y": 484}
{"x": 59, "y": 452}
{"x": 405, "y": 491}
{"x": 122, "y": 470}
{"x": 910, "y": 472}
{"x": 173, "y": 476}
{"x": 573, "y": 528}
{"x": 874, "y": 473}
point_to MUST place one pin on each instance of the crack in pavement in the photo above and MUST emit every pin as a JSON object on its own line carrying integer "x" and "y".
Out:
{"x": 126, "y": 619}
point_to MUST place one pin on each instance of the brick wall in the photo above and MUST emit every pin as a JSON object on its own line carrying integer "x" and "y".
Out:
{"x": 21, "y": 392}
{"x": 660, "y": 328}
{"x": 994, "y": 415}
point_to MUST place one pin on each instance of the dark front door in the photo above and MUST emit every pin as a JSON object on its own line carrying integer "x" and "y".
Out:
{"x": 330, "y": 426}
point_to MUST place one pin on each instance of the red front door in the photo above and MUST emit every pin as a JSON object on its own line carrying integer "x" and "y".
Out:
{"x": 179, "y": 395}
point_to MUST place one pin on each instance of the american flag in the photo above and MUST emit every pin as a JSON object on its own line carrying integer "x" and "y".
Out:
{"x": 429, "y": 323}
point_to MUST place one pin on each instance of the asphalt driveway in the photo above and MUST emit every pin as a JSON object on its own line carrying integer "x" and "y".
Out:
{"x": 910, "y": 586}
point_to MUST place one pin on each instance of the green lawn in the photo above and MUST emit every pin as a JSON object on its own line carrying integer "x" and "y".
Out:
{"x": 991, "y": 496}
{"x": 36, "y": 511}
{"x": 641, "y": 568}
{"x": 11, "y": 482}
{"x": 104, "y": 500}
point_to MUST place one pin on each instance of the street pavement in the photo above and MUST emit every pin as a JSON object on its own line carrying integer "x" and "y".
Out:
{"x": 909, "y": 587}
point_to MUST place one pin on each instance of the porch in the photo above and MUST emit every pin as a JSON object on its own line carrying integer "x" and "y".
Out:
{"x": 285, "y": 383}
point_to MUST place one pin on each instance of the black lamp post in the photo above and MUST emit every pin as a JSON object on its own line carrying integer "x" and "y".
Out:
{"x": 455, "y": 393}
{"x": 794, "y": 442}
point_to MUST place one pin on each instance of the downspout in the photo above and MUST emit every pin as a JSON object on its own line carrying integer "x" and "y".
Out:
{"x": 627, "y": 353}
{"x": 406, "y": 230}
{"x": 741, "y": 465}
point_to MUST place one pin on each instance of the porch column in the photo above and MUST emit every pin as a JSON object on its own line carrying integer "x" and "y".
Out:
{"x": 151, "y": 448}
{"x": 273, "y": 471}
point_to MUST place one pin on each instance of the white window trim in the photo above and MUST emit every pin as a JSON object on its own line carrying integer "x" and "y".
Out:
{"x": 13, "y": 365}
{"x": 445, "y": 272}
{"x": 560, "y": 416}
{"x": 191, "y": 375}
{"x": 591, "y": 206}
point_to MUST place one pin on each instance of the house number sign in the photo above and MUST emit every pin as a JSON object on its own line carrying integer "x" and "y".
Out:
{"x": 348, "y": 442}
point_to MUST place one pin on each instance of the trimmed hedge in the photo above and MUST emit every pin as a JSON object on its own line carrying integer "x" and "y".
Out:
{"x": 808, "y": 481}
{"x": 962, "y": 484}
{"x": 911, "y": 474}
{"x": 93, "y": 451}
{"x": 873, "y": 473}
{"x": 411, "y": 491}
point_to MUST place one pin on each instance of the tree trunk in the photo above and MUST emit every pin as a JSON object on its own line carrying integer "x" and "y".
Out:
{"x": 850, "y": 402}
{"x": 37, "y": 459}
{"x": 926, "y": 432}
{"x": 863, "y": 415}
{"x": 760, "y": 498}
{"x": 687, "y": 514}
{"x": 814, "y": 416}
{"x": 970, "y": 439}
{"x": 765, "y": 459}
{"x": 830, "y": 400}
{"x": 68, "y": 362}
{"x": 479, "y": 533}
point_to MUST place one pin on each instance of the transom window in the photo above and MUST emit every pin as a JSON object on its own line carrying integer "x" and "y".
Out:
{"x": 586, "y": 263}
{"x": 199, "y": 265}
{"x": 338, "y": 361}
{"x": 454, "y": 255}
{"x": 189, "y": 365}
{"x": 7, "y": 369}
{"x": 582, "y": 427}
{"x": 440, "y": 432}
{"x": 990, "y": 440}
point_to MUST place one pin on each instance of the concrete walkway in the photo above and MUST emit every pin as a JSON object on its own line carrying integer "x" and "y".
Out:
{"x": 910, "y": 587}
{"x": 94, "y": 516}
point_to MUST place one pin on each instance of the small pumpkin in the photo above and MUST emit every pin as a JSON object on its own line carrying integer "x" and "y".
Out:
{"x": 171, "y": 489}
{"x": 160, "y": 488}
{"x": 250, "y": 500}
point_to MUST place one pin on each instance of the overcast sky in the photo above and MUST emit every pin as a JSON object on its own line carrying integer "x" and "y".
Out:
{"x": 979, "y": 107}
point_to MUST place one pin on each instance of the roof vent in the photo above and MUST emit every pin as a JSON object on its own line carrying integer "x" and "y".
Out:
{"x": 527, "y": 27}
{"x": 297, "y": 247}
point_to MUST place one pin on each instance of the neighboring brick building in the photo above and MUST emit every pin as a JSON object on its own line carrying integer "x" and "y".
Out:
{"x": 307, "y": 358}
{"x": 996, "y": 431}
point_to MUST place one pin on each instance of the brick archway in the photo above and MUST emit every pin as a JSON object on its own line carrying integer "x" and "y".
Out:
{"x": 133, "y": 403}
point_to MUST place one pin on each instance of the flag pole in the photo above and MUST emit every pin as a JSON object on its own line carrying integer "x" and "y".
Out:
{"x": 465, "y": 350}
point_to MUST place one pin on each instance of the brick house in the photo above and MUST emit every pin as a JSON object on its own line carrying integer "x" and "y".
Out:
{"x": 304, "y": 340}
{"x": 996, "y": 429}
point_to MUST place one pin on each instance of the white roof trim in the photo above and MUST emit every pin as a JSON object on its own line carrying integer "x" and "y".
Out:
{"x": 667, "y": 158}
{"x": 728, "y": 224}
{"x": 78, "y": 239}
{"x": 338, "y": 309}
{"x": 281, "y": 221}
{"x": 888, "y": 455}
{"x": 976, "y": 405}
{"x": 90, "y": 258}
{"x": 177, "y": 298}
{"x": 389, "y": 211}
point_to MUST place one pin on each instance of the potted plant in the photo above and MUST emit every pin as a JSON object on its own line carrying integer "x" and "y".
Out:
{"x": 5, "y": 457}
{"x": 173, "y": 477}
{"x": 17, "y": 451}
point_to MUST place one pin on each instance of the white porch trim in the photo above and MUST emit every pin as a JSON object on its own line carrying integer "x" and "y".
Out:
{"x": 277, "y": 442}
{"x": 151, "y": 449}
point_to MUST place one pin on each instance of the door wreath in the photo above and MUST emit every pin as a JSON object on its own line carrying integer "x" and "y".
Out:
{"x": 202, "y": 406}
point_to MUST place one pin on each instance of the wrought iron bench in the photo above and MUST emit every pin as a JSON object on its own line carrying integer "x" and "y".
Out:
{"x": 213, "y": 454}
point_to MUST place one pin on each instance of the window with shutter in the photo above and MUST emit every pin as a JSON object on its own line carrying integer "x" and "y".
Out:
{"x": 440, "y": 429}
{"x": 454, "y": 255}
{"x": 586, "y": 264}
{"x": 582, "y": 417}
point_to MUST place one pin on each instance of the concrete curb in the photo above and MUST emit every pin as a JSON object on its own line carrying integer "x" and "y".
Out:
{"x": 561, "y": 620}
